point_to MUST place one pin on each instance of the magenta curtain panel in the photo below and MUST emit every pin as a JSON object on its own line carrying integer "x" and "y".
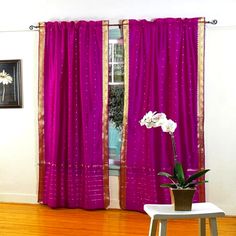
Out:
{"x": 163, "y": 73}
{"x": 73, "y": 115}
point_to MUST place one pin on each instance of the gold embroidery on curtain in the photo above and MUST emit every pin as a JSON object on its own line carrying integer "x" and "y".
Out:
{"x": 41, "y": 110}
{"x": 105, "y": 115}
{"x": 201, "y": 151}
{"x": 125, "y": 116}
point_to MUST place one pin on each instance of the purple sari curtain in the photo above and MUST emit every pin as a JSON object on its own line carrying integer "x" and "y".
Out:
{"x": 162, "y": 75}
{"x": 73, "y": 160}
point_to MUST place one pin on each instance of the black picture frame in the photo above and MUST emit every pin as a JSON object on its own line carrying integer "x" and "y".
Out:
{"x": 10, "y": 84}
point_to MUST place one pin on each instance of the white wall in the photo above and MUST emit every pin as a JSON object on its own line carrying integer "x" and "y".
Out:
{"x": 18, "y": 127}
{"x": 220, "y": 116}
{"x": 18, "y": 140}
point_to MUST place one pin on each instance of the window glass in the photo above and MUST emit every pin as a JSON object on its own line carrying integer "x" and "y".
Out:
{"x": 119, "y": 73}
{"x": 119, "y": 52}
{"x": 110, "y": 52}
{"x": 110, "y": 76}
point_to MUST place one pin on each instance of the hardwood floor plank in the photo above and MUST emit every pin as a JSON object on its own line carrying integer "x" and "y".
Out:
{"x": 38, "y": 220}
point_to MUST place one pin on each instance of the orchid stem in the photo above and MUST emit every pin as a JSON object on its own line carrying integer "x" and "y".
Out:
{"x": 173, "y": 146}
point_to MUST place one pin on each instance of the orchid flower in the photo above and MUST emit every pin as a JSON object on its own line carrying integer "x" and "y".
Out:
{"x": 169, "y": 126}
{"x": 153, "y": 119}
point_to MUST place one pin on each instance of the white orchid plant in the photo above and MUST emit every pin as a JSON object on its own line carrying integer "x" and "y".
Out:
{"x": 178, "y": 180}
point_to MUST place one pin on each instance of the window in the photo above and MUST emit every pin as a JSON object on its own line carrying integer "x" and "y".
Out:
{"x": 116, "y": 62}
{"x": 116, "y": 98}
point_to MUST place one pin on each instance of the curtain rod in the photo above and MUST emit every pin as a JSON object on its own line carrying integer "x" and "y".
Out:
{"x": 213, "y": 22}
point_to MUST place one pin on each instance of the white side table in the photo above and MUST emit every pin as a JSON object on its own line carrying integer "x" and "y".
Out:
{"x": 161, "y": 213}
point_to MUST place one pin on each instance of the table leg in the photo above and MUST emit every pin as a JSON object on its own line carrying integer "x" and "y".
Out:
{"x": 153, "y": 227}
{"x": 202, "y": 227}
{"x": 213, "y": 226}
{"x": 162, "y": 227}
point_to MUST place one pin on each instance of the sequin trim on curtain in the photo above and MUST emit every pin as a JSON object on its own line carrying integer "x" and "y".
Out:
{"x": 125, "y": 116}
{"x": 41, "y": 110}
{"x": 105, "y": 114}
{"x": 201, "y": 149}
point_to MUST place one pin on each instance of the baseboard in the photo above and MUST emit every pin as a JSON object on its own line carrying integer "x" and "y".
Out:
{"x": 32, "y": 198}
{"x": 18, "y": 198}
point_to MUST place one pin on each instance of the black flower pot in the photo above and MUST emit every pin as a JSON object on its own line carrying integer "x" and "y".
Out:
{"x": 182, "y": 199}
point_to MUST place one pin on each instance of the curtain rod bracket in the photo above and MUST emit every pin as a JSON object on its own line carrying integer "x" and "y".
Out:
{"x": 32, "y": 27}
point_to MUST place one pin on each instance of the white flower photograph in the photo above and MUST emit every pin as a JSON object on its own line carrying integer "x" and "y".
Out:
{"x": 10, "y": 84}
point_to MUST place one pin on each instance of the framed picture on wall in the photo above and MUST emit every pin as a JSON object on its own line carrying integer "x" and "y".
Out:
{"x": 10, "y": 84}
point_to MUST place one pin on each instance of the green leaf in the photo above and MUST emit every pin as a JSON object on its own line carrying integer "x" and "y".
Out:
{"x": 116, "y": 105}
{"x": 196, "y": 175}
{"x": 179, "y": 173}
{"x": 193, "y": 184}
{"x": 168, "y": 185}
{"x": 165, "y": 174}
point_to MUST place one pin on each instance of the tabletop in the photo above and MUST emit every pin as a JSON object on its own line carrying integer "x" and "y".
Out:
{"x": 199, "y": 210}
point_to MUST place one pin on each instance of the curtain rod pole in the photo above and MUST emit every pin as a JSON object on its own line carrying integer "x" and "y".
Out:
{"x": 213, "y": 22}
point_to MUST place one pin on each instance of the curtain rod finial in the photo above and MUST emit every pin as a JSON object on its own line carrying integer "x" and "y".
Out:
{"x": 214, "y": 22}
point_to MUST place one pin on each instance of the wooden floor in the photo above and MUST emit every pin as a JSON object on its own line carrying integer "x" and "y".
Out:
{"x": 20, "y": 220}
